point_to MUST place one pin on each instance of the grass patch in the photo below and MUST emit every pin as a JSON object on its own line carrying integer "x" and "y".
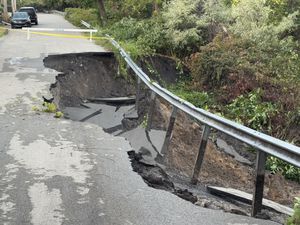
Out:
{"x": 49, "y": 108}
{"x": 75, "y": 15}
{"x": 295, "y": 218}
{"x": 3, "y": 31}
{"x": 200, "y": 99}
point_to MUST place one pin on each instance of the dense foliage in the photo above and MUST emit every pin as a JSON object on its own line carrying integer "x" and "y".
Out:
{"x": 295, "y": 218}
{"x": 75, "y": 15}
{"x": 56, "y": 4}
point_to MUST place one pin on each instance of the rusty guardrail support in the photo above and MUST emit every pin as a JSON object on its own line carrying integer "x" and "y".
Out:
{"x": 151, "y": 111}
{"x": 259, "y": 183}
{"x": 166, "y": 144}
{"x": 201, "y": 153}
{"x": 138, "y": 93}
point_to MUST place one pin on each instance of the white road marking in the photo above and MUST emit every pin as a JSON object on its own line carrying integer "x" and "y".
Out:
{"x": 63, "y": 159}
{"x": 12, "y": 87}
{"x": 47, "y": 208}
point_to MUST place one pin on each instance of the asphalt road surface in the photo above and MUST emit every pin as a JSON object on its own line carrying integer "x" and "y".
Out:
{"x": 55, "y": 171}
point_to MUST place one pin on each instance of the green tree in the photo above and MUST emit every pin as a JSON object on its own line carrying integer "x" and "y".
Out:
{"x": 184, "y": 27}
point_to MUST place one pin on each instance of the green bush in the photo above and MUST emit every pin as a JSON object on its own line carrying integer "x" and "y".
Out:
{"x": 199, "y": 99}
{"x": 139, "y": 37}
{"x": 56, "y": 4}
{"x": 3, "y": 31}
{"x": 139, "y": 9}
{"x": 38, "y": 4}
{"x": 253, "y": 46}
{"x": 126, "y": 29}
{"x": 184, "y": 27}
{"x": 251, "y": 111}
{"x": 75, "y": 15}
{"x": 212, "y": 65}
{"x": 295, "y": 218}
{"x": 288, "y": 171}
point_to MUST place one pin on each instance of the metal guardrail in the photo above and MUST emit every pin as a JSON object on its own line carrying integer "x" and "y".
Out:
{"x": 283, "y": 150}
{"x": 265, "y": 144}
{"x": 86, "y": 24}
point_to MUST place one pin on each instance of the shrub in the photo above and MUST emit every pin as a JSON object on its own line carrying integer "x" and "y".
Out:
{"x": 217, "y": 60}
{"x": 139, "y": 9}
{"x": 251, "y": 111}
{"x": 184, "y": 27}
{"x": 39, "y": 5}
{"x": 227, "y": 55}
{"x": 3, "y": 31}
{"x": 295, "y": 218}
{"x": 199, "y": 99}
{"x": 272, "y": 48}
{"x": 289, "y": 171}
{"x": 141, "y": 38}
{"x": 282, "y": 8}
{"x": 75, "y": 15}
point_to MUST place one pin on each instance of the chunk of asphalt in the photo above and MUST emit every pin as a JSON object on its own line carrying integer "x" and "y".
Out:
{"x": 156, "y": 177}
{"x": 113, "y": 129}
{"x": 247, "y": 198}
{"x": 153, "y": 175}
{"x": 85, "y": 106}
{"x": 186, "y": 195}
{"x": 91, "y": 115}
{"x": 117, "y": 100}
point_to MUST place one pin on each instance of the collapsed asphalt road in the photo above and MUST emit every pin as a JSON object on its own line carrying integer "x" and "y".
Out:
{"x": 55, "y": 171}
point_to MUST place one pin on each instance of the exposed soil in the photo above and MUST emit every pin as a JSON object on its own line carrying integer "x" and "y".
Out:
{"x": 156, "y": 177}
{"x": 220, "y": 168}
{"x": 86, "y": 75}
{"x": 163, "y": 69}
{"x": 94, "y": 75}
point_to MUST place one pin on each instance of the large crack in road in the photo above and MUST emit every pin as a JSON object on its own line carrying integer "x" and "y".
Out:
{"x": 58, "y": 171}
{"x": 90, "y": 89}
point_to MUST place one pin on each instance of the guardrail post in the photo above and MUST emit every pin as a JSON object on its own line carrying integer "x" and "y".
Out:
{"x": 28, "y": 34}
{"x": 259, "y": 183}
{"x": 91, "y": 36}
{"x": 138, "y": 92}
{"x": 151, "y": 111}
{"x": 168, "y": 137}
{"x": 201, "y": 153}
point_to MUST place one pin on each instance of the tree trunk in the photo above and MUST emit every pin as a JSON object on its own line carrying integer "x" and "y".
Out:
{"x": 155, "y": 7}
{"x": 4, "y": 2}
{"x": 102, "y": 11}
{"x": 5, "y": 12}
